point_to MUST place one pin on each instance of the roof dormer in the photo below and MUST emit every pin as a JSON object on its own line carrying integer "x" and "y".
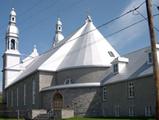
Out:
{"x": 119, "y": 65}
{"x": 148, "y": 52}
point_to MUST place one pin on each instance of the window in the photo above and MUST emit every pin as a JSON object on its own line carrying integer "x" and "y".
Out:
{"x": 12, "y": 98}
{"x": 12, "y": 18}
{"x": 24, "y": 94}
{"x": 7, "y": 99}
{"x": 13, "y": 44}
{"x": 131, "y": 92}
{"x": 33, "y": 91}
{"x": 111, "y": 54}
{"x": 148, "y": 111}
{"x": 8, "y": 45}
{"x": 117, "y": 111}
{"x": 115, "y": 68}
{"x": 17, "y": 97}
{"x": 68, "y": 81}
{"x": 149, "y": 58}
{"x": 131, "y": 111}
{"x": 104, "y": 93}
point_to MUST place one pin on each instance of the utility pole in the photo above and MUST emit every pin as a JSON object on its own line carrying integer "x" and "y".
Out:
{"x": 154, "y": 53}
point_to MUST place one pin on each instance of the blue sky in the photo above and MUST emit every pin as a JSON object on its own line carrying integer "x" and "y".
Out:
{"x": 36, "y": 22}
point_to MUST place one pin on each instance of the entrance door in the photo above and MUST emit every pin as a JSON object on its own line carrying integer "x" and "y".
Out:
{"x": 57, "y": 106}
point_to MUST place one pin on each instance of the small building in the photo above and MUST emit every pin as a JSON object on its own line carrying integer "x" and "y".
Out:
{"x": 81, "y": 73}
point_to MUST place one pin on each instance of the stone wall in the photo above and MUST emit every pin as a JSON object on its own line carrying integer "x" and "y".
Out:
{"x": 84, "y": 101}
{"x": 80, "y": 75}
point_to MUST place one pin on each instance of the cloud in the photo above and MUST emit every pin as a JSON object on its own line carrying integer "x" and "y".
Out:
{"x": 131, "y": 34}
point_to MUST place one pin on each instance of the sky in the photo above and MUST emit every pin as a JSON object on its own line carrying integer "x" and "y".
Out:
{"x": 36, "y": 22}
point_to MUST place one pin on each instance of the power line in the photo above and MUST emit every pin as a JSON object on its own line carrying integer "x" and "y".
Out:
{"x": 122, "y": 15}
{"x": 27, "y": 10}
{"x": 146, "y": 19}
{"x": 91, "y": 43}
{"x": 41, "y": 11}
{"x": 142, "y": 20}
{"x": 60, "y": 11}
{"x": 110, "y": 21}
{"x": 109, "y": 35}
{"x": 99, "y": 39}
{"x": 32, "y": 7}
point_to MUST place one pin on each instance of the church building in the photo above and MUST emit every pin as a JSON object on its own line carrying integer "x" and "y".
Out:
{"x": 80, "y": 75}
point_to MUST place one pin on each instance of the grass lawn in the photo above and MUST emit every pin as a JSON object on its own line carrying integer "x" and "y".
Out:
{"x": 80, "y": 118}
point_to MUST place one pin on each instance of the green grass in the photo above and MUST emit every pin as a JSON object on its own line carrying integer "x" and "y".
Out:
{"x": 80, "y": 118}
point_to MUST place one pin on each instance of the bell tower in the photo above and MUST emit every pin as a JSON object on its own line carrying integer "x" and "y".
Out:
{"x": 11, "y": 56}
{"x": 58, "y": 33}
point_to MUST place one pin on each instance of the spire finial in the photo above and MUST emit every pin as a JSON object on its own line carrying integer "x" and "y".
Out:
{"x": 34, "y": 49}
{"x": 88, "y": 19}
{"x": 59, "y": 21}
{"x": 35, "y": 52}
{"x": 13, "y": 13}
{"x": 34, "y": 46}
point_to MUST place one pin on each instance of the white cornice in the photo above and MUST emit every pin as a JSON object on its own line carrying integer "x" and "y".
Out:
{"x": 75, "y": 85}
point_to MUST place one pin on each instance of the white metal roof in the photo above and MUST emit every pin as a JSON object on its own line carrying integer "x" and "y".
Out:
{"x": 84, "y": 48}
{"x": 87, "y": 47}
{"x": 136, "y": 67}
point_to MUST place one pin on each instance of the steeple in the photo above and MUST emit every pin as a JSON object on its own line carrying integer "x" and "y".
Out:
{"x": 12, "y": 17}
{"x": 58, "y": 33}
{"x": 11, "y": 56}
{"x": 12, "y": 34}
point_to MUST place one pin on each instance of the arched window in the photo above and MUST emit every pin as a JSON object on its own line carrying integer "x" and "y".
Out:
{"x": 13, "y": 44}
{"x": 13, "y": 19}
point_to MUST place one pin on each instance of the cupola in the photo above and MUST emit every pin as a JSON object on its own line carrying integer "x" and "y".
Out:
{"x": 58, "y": 33}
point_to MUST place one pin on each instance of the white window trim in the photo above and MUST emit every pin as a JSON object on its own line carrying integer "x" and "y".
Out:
{"x": 131, "y": 90}
{"x": 68, "y": 81}
{"x": 17, "y": 97}
{"x": 117, "y": 111}
{"x": 33, "y": 91}
{"x": 7, "y": 99}
{"x": 148, "y": 111}
{"x": 104, "y": 93}
{"x": 148, "y": 58}
{"x": 12, "y": 98}
{"x": 131, "y": 111}
{"x": 24, "y": 94}
{"x": 115, "y": 68}
{"x": 111, "y": 54}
